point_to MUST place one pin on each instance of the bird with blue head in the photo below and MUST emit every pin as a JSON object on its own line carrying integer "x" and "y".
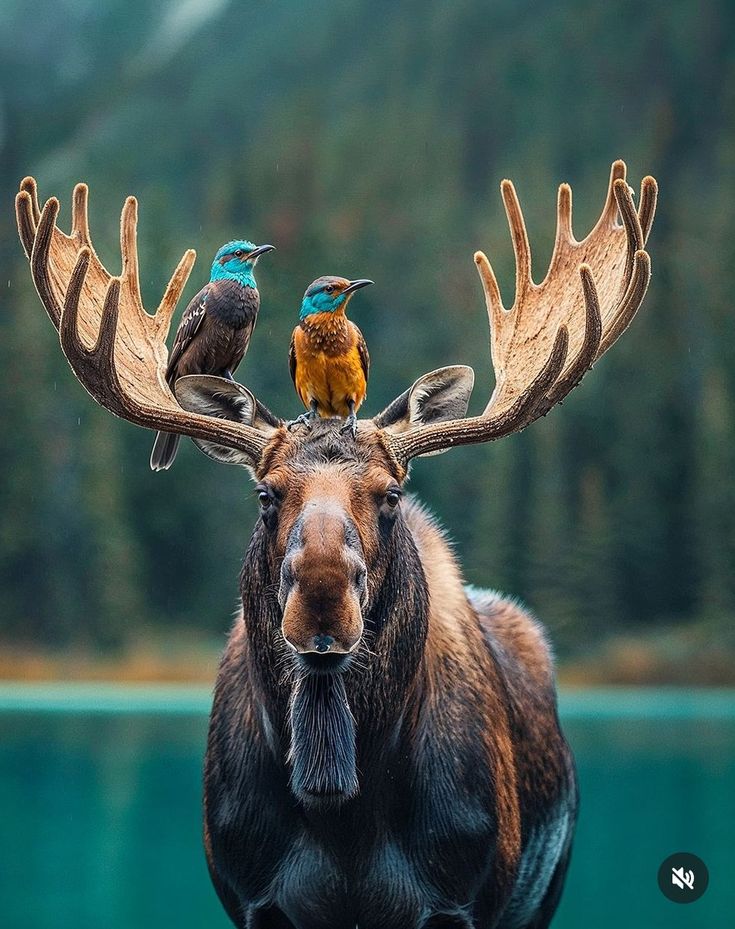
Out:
{"x": 215, "y": 329}
{"x": 236, "y": 261}
{"x": 328, "y": 358}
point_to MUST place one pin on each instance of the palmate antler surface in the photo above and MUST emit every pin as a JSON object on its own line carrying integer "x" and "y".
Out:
{"x": 555, "y": 330}
{"x": 115, "y": 348}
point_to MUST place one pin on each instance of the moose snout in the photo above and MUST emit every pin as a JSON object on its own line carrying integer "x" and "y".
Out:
{"x": 322, "y": 593}
{"x": 322, "y": 610}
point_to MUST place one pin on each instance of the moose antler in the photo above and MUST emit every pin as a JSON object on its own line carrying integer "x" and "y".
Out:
{"x": 115, "y": 348}
{"x": 540, "y": 348}
{"x": 555, "y": 330}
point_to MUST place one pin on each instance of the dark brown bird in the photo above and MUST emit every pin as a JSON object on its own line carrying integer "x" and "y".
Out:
{"x": 215, "y": 330}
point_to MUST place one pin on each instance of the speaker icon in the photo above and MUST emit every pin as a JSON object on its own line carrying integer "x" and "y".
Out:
{"x": 682, "y": 878}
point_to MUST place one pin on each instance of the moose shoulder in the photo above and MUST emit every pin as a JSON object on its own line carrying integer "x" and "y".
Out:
{"x": 384, "y": 750}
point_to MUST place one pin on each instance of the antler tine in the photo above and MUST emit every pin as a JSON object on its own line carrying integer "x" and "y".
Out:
{"x": 557, "y": 328}
{"x": 629, "y": 217}
{"x": 493, "y": 300}
{"x": 103, "y": 353}
{"x": 114, "y": 347}
{"x": 24, "y": 217}
{"x": 71, "y": 343}
{"x": 519, "y": 235}
{"x": 618, "y": 172}
{"x": 564, "y": 233}
{"x": 28, "y": 212}
{"x": 29, "y": 185}
{"x": 172, "y": 294}
{"x": 587, "y": 353}
{"x": 130, "y": 276}
{"x": 95, "y": 367}
{"x": 630, "y": 303}
{"x": 80, "y": 217}
{"x": 40, "y": 259}
{"x": 647, "y": 207}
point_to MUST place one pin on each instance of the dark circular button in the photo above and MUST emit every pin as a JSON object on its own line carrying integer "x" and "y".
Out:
{"x": 683, "y": 877}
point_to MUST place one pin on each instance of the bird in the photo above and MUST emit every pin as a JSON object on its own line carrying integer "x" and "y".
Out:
{"x": 328, "y": 357}
{"x": 215, "y": 329}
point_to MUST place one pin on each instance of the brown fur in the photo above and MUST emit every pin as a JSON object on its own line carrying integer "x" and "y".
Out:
{"x": 453, "y": 646}
{"x": 323, "y": 601}
{"x": 439, "y": 734}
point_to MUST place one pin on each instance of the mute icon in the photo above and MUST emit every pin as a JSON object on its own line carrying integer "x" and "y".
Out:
{"x": 683, "y": 877}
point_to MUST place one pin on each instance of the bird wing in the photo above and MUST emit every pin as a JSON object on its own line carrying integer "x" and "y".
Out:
{"x": 224, "y": 297}
{"x": 292, "y": 357}
{"x": 363, "y": 352}
{"x": 190, "y": 324}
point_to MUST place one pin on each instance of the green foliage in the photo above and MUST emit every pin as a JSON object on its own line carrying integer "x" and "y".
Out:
{"x": 368, "y": 139}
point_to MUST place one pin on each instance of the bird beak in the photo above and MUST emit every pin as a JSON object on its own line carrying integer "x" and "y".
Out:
{"x": 356, "y": 285}
{"x": 260, "y": 250}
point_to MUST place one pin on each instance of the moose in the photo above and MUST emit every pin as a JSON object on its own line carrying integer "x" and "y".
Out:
{"x": 384, "y": 750}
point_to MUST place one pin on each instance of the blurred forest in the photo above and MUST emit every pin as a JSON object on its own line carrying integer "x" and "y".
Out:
{"x": 368, "y": 138}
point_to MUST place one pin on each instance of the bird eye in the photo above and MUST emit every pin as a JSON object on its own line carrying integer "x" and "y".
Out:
{"x": 393, "y": 498}
{"x": 238, "y": 253}
{"x": 329, "y": 288}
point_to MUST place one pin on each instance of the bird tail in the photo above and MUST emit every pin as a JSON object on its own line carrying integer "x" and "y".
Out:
{"x": 164, "y": 451}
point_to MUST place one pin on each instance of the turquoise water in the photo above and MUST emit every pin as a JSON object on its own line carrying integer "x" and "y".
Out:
{"x": 100, "y": 807}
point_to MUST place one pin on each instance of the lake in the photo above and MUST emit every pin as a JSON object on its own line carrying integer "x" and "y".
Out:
{"x": 100, "y": 801}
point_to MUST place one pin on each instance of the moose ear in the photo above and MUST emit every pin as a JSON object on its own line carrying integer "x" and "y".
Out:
{"x": 224, "y": 399}
{"x": 434, "y": 398}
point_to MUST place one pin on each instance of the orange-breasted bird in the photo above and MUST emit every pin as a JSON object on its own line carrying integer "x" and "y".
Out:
{"x": 328, "y": 357}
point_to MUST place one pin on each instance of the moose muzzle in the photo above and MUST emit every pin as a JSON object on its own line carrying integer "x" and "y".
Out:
{"x": 323, "y": 587}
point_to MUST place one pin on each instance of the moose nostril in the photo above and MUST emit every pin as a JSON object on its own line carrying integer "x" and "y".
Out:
{"x": 322, "y": 643}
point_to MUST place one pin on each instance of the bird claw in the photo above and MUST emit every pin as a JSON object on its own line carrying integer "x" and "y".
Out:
{"x": 350, "y": 425}
{"x": 306, "y": 419}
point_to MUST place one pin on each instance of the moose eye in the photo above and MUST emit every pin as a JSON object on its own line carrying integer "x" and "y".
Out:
{"x": 238, "y": 253}
{"x": 393, "y": 498}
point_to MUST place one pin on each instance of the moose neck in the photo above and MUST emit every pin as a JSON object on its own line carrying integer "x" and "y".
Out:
{"x": 322, "y": 714}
